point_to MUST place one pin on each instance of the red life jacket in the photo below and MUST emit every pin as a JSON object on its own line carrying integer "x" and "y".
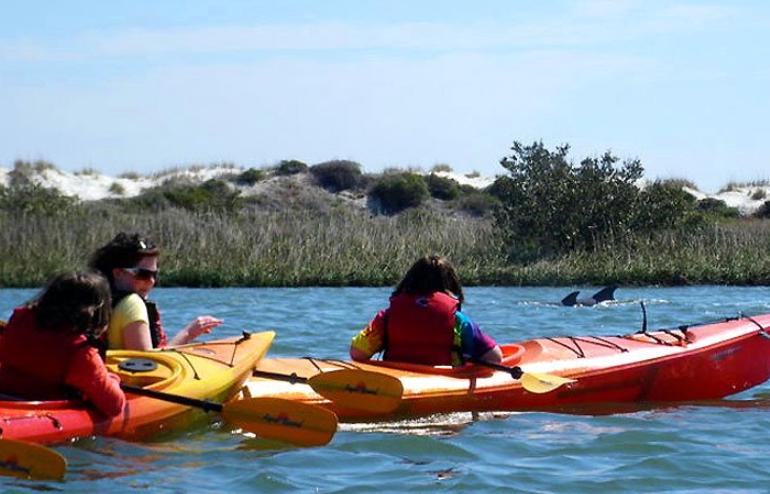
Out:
{"x": 34, "y": 362}
{"x": 420, "y": 329}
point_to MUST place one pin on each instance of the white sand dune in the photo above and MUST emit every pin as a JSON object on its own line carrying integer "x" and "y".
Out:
{"x": 92, "y": 186}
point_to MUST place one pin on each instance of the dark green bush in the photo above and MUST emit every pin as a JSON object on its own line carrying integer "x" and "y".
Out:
{"x": 477, "y": 204}
{"x": 395, "y": 193}
{"x": 31, "y": 198}
{"x": 550, "y": 206}
{"x": 763, "y": 211}
{"x": 716, "y": 208}
{"x": 443, "y": 188}
{"x": 337, "y": 175}
{"x": 211, "y": 195}
{"x": 290, "y": 167}
{"x": 664, "y": 205}
{"x": 250, "y": 177}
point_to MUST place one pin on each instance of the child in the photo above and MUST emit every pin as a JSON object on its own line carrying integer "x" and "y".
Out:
{"x": 424, "y": 324}
{"x": 48, "y": 349}
{"x": 130, "y": 263}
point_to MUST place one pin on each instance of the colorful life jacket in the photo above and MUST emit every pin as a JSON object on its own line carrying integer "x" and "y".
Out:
{"x": 35, "y": 362}
{"x": 420, "y": 329}
{"x": 157, "y": 335}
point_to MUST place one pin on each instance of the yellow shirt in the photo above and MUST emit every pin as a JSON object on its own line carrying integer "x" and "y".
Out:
{"x": 129, "y": 310}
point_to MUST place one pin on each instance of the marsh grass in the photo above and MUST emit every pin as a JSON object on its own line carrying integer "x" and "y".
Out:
{"x": 345, "y": 248}
{"x": 252, "y": 249}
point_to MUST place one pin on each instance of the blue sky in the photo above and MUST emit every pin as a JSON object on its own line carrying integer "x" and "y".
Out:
{"x": 145, "y": 85}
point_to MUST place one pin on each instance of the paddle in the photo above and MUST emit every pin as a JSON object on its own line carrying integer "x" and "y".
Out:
{"x": 354, "y": 388}
{"x": 532, "y": 382}
{"x": 301, "y": 424}
{"x": 24, "y": 460}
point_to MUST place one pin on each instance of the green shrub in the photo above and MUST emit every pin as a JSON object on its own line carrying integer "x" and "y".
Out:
{"x": 550, "y": 206}
{"x": 395, "y": 193}
{"x": 716, "y": 208}
{"x": 337, "y": 175}
{"x": 250, "y": 177}
{"x": 290, "y": 167}
{"x": 88, "y": 172}
{"x": 212, "y": 195}
{"x": 35, "y": 199}
{"x": 763, "y": 211}
{"x": 477, "y": 204}
{"x": 441, "y": 167}
{"x": 443, "y": 188}
{"x": 117, "y": 189}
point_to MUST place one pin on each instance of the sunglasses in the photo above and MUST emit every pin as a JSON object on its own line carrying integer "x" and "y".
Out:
{"x": 142, "y": 273}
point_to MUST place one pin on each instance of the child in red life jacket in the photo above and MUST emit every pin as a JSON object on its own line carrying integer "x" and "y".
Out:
{"x": 48, "y": 349}
{"x": 424, "y": 323}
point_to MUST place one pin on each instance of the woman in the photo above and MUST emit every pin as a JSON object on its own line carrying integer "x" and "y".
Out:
{"x": 49, "y": 348}
{"x": 130, "y": 263}
{"x": 424, "y": 323}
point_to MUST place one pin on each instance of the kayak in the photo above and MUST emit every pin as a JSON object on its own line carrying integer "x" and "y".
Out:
{"x": 214, "y": 370}
{"x": 688, "y": 363}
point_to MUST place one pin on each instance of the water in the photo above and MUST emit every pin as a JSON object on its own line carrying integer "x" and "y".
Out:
{"x": 676, "y": 449}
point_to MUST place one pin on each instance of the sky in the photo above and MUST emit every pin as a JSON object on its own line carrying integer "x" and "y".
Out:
{"x": 147, "y": 85}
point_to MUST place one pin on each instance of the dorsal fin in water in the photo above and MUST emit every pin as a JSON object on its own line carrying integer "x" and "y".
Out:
{"x": 570, "y": 299}
{"x": 606, "y": 293}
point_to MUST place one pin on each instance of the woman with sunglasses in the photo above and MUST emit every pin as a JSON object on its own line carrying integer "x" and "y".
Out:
{"x": 130, "y": 263}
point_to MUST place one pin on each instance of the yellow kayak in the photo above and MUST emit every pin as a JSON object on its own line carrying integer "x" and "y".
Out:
{"x": 213, "y": 370}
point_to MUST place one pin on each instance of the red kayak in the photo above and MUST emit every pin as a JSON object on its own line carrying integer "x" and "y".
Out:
{"x": 702, "y": 362}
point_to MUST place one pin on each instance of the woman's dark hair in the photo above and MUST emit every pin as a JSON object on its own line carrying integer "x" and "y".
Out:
{"x": 73, "y": 301}
{"x": 431, "y": 274}
{"x": 123, "y": 251}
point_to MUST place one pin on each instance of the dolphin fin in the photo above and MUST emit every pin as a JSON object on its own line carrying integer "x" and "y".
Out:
{"x": 606, "y": 293}
{"x": 570, "y": 299}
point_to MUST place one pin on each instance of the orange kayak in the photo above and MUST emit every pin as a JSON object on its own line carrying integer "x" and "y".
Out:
{"x": 214, "y": 370}
{"x": 702, "y": 362}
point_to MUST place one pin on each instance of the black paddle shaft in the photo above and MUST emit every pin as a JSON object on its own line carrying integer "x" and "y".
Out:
{"x": 515, "y": 372}
{"x": 209, "y": 406}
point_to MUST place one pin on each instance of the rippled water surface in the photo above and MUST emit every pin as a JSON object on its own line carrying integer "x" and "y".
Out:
{"x": 715, "y": 448}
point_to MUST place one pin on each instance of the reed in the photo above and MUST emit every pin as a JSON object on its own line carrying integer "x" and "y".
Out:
{"x": 347, "y": 248}
{"x": 254, "y": 249}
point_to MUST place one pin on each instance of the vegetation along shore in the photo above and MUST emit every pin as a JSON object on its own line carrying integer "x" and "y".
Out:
{"x": 546, "y": 220}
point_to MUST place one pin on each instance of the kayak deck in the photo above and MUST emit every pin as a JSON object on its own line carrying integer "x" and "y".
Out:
{"x": 702, "y": 362}
{"x": 214, "y": 370}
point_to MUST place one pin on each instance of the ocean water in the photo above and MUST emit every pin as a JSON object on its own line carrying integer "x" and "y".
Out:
{"x": 675, "y": 449}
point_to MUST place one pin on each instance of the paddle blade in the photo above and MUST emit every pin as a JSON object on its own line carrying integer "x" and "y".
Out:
{"x": 283, "y": 420}
{"x": 359, "y": 389}
{"x": 24, "y": 460}
{"x": 542, "y": 383}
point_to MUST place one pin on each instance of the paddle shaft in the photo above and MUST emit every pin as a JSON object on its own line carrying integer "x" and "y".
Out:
{"x": 515, "y": 372}
{"x": 293, "y": 378}
{"x": 209, "y": 406}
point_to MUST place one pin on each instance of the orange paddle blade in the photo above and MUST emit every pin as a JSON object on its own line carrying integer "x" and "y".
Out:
{"x": 24, "y": 460}
{"x": 293, "y": 422}
{"x": 363, "y": 390}
{"x": 543, "y": 383}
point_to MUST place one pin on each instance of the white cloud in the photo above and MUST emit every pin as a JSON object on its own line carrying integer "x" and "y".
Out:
{"x": 588, "y": 23}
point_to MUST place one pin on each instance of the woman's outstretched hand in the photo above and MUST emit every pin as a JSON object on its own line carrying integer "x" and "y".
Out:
{"x": 201, "y": 325}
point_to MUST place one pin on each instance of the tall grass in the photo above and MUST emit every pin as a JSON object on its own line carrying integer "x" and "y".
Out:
{"x": 253, "y": 249}
{"x": 342, "y": 247}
